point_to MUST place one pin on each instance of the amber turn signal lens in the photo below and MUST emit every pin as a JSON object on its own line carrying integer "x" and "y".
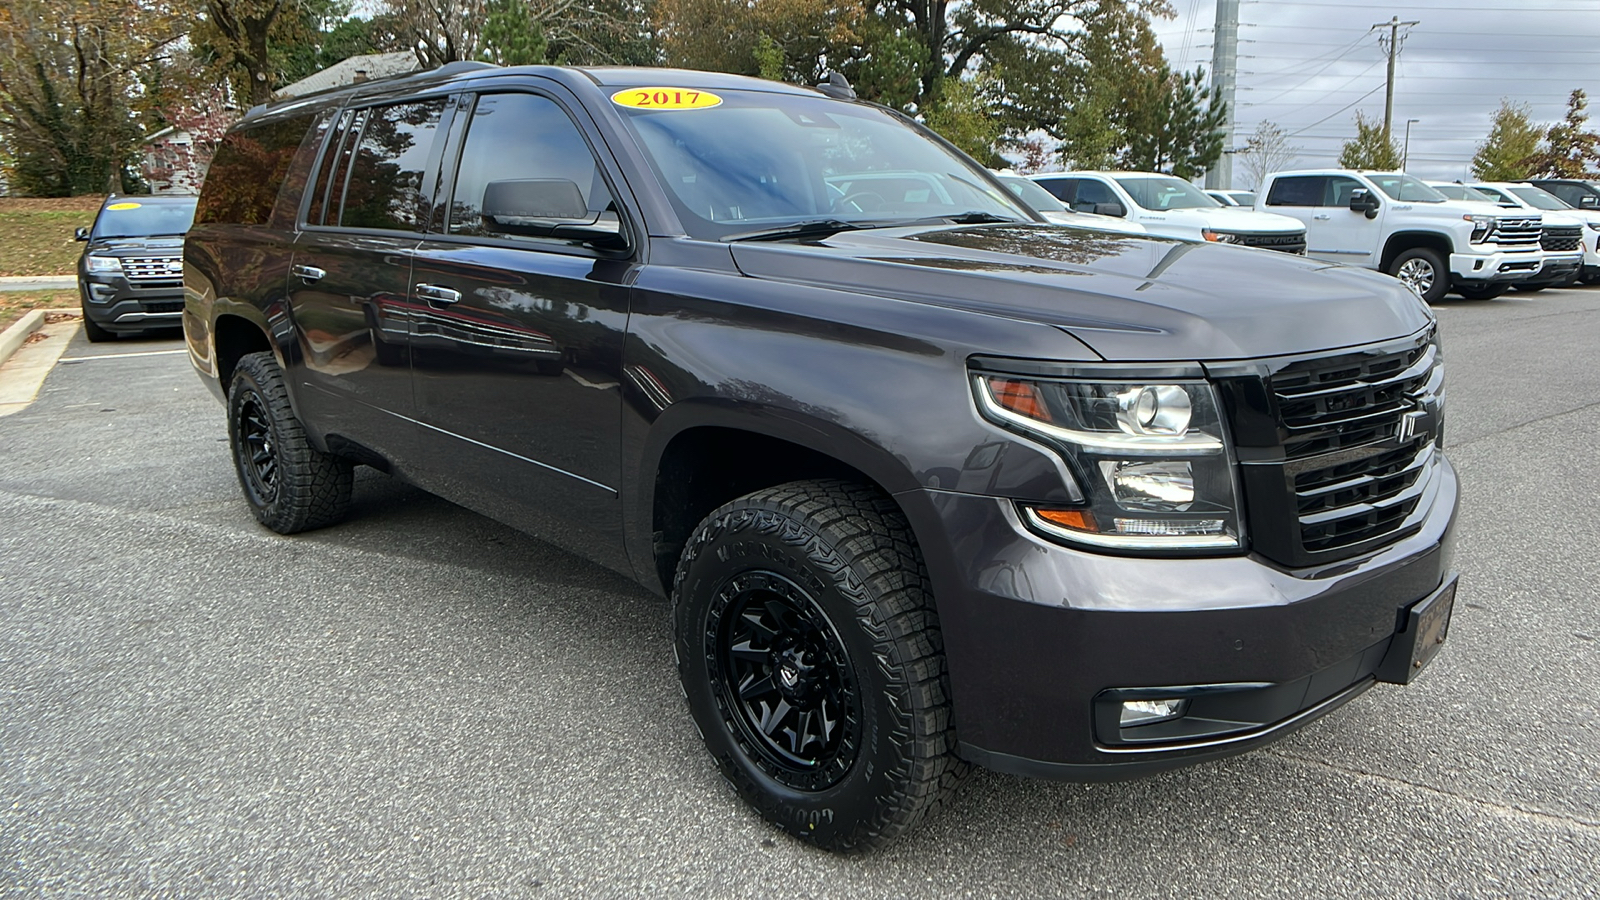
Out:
{"x": 1076, "y": 519}
{"x": 1020, "y": 397}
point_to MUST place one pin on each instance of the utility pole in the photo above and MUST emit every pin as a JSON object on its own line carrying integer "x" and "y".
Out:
{"x": 1393, "y": 25}
{"x": 1224, "y": 77}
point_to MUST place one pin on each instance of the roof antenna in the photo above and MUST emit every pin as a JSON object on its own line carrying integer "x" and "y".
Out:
{"x": 837, "y": 86}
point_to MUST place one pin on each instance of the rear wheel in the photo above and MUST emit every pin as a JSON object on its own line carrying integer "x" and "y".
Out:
{"x": 290, "y": 484}
{"x": 1424, "y": 271}
{"x": 1481, "y": 291}
{"x": 811, "y": 657}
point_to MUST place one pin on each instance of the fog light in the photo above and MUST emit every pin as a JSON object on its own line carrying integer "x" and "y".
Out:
{"x": 1144, "y": 712}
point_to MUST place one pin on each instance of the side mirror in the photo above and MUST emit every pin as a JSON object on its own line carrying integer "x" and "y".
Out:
{"x": 1589, "y": 201}
{"x": 1110, "y": 209}
{"x": 81, "y": 234}
{"x": 1362, "y": 201}
{"x": 548, "y": 207}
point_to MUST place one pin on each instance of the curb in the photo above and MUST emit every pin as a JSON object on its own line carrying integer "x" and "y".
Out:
{"x": 15, "y": 336}
{"x": 22, "y": 283}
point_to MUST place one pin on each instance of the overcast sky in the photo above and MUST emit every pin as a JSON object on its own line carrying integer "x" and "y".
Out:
{"x": 1308, "y": 66}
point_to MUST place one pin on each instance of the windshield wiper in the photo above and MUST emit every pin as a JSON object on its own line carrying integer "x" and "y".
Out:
{"x": 809, "y": 228}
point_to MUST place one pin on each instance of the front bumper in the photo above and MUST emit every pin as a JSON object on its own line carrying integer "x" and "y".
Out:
{"x": 1035, "y": 633}
{"x": 1558, "y": 267}
{"x": 119, "y": 305}
{"x": 1496, "y": 268}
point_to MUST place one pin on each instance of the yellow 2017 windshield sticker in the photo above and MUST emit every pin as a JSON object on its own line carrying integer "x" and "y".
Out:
{"x": 665, "y": 98}
{"x": 122, "y": 206}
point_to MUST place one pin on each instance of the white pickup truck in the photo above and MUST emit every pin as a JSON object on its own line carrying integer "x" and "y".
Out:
{"x": 1558, "y": 213}
{"x": 1393, "y": 222}
{"x": 1171, "y": 207}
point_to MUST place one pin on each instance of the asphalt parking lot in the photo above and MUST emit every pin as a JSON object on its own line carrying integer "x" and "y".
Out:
{"x": 421, "y": 702}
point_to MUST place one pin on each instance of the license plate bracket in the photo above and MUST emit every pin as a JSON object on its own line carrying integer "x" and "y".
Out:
{"x": 1424, "y": 627}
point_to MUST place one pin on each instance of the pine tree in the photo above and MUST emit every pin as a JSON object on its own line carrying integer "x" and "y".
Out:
{"x": 1370, "y": 149}
{"x": 1569, "y": 149}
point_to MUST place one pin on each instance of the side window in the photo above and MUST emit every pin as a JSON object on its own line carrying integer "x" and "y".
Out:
{"x": 331, "y": 162}
{"x": 1300, "y": 190}
{"x": 1566, "y": 192}
{"x": 1339, "y": 190}
{"x": 1060, "y": 187}
{"x": 384, "y": 188}
{"x": 521, "y": 138}
{"x": 1091, "y": 192}
{"x": 247, "y": 172}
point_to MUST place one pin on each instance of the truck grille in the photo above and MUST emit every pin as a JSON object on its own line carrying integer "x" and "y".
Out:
{"x": 1562, "y": 237}
{"x": 1356, "y": 452}
{"x": 1288, "y": 243}
{"x": 152, "y": 269}
{"x": 1517, "y": 232}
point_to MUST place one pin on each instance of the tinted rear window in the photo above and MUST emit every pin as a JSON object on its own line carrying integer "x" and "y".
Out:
{"x": 248, "y": 171}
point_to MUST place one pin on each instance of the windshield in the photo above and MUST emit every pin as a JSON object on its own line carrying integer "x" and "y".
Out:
{"x": 133, "y": 218}
{"x": 1407, "y": 189}
{"x": 1462, "y": 192}
{"x": 1539, "y": 198}
{"x": 1032, "y": 194}
{"x": 753, "y": 160}
{"x": 1160, "y": 192}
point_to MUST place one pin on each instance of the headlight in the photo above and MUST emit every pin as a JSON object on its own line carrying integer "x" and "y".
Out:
{"x": 1482, "y": 228}
{"x": 1220, "y": 237}
{"x": 1153, "y": 466}
{"x": 1593, "y": 226}
{"x": 104, "y": 264}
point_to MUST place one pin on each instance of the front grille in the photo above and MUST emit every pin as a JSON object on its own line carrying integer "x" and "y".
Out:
{"x": 152, "y": 269}
{"x": 1343, "y": 450}
{"x": 1516, "y": 232}
{"x": 1288, "y": 243}
{"x": 1562, "y": 237}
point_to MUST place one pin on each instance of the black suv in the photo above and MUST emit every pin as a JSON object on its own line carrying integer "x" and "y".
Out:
{"x": 929, "y": 481}
{"x": 130, "y": 275}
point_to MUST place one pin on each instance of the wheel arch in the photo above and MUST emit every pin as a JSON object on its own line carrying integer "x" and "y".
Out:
{"x": 1401, "y": 241}
{"x": 700, "y": 456}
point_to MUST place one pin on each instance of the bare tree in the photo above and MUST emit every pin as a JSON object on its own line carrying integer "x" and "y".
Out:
{"x": 584, "y": 32}
{"x": 1265, "y": 152}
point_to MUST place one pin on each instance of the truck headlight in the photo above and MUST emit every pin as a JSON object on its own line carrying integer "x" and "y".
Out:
{"x": 1220, "y": 237}
{"x": 1151, "y": 458}
{"x": 103, "y": 264}
{"x": 1482, "y": 228}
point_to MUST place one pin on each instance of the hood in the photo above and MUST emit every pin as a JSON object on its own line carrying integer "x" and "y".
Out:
{"x": 165, "y": 245}
{"x": 1127, "y": 297}
{"x": 1096, "y": 222}
{"x": 1232, "y": 218}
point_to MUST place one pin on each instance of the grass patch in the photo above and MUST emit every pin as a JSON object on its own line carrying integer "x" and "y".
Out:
{"x": 36, "y": 235}
{"x": 13, "y": 304}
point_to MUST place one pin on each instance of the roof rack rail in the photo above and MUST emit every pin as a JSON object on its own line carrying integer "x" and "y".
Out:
{"x": 450, "y": 68}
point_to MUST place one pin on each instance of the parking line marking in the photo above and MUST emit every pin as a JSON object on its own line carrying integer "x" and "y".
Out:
{"x": 120, "y": 355}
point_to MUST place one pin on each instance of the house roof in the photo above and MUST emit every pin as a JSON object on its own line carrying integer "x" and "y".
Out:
{"x": 372, "y": 65}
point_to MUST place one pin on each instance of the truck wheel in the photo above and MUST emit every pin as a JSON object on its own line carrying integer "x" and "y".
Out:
{"x": 1530, "y": 288}
{"x": 1423, "y": 270}
{"x": 94, "y": 332}
{"x": 290, "y": 485}
{"x": 812, "y": 661}
{"x": 1480, "y": 291}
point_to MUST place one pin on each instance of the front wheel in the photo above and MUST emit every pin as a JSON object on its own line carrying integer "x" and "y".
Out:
{"x": 1424, "y": 271}
{"x": 811, "y": 657}
{"x": 290, "y": 484}
{"x": 93, "y": 331}
{"x": 1481, "y": 291}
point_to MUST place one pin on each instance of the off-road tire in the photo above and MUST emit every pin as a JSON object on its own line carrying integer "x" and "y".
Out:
{"x": 93, "y": 332}
{"x": 291, "y": 486}
{"x": 1438, "y": 284}
{"x": 847, "y": 550}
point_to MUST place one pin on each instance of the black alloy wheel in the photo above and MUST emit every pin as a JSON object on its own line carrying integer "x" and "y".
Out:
{"x": 782, "y": 673}
{"x": 291, "y": 486}
{"x": 812, "y": 660}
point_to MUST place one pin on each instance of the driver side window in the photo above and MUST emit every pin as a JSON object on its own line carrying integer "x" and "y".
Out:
{"x": 1091, "y": 192}
{"x": 521, "y": 137}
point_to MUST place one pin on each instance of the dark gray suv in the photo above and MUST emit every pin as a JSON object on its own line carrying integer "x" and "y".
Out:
{"x": 130, "y": 275}
{"x": 928, "y": 481}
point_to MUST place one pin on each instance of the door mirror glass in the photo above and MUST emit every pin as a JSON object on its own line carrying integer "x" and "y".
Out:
{"x": 547, "y": 200}
{"x": 1589, "y": 201}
